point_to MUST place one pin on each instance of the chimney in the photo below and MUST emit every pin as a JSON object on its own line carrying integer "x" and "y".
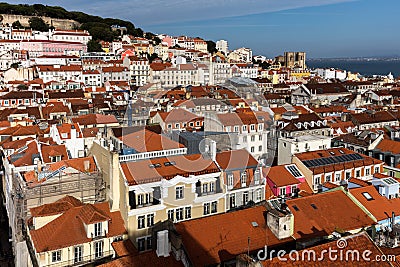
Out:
{"x": 393, "y": 220}
{"x": 86, "y": 165}
{"x": 163, "y": 246}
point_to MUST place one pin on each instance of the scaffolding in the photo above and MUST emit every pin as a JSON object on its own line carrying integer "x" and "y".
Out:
{"x": 88, "y": 187}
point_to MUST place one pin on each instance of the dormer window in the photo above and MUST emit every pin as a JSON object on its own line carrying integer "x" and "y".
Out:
{"x": 97, "y": 229}
{"x": 243, "y": 178}
{"x": 55, "y": 158}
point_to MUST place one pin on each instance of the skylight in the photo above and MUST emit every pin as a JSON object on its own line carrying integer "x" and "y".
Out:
{"x": 367, "y": 196}
{"x": 294, "y": 171}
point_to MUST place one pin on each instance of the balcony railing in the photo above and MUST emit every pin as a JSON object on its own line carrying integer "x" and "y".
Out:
{"x": 82, "y": 261}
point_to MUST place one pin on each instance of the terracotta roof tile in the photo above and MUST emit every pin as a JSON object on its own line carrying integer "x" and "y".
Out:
{"x": 146, "y": 141}
{"x": 155, "y": 169}
{"x": 322, "y": 214}
{"x": 236, "y": 159}
{"x": 212, "y": 240}
{"x": 360, "y": 242}
{"x": 280, "y": 176}
{"x": 53, "y": 235}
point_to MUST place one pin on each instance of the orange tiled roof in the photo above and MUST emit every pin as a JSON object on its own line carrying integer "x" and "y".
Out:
{"x": 380, "y": 207}
{"x": 53, "y": 235}
{"x": 184, "y": 165}
{"x": 387, "y": 145}
{"x": 91, "y": 119}
{"x": 322, "y": 214}
{"x": 60, "y": 206}
{"x": 236, "y": 159}
{"x": 53, "y": 151}
{"x": 280, "y": 176}
{"x": 218, "y": 238}
{"x": 360, "y": 242}
{"x": 146, "y": 141}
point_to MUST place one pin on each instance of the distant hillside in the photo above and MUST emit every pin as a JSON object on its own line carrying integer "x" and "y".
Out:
{"x": 98, "y": 27}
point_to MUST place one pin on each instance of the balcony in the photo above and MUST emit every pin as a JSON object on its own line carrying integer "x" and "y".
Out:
{"x": 92, "y": 258}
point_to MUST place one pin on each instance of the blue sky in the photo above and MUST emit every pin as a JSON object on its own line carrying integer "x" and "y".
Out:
{"x": 322, "y": 28}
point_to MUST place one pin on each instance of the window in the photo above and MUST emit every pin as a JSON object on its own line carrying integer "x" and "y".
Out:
{"x": 179, "y": 192}
{"x": 236, "y": 128}
{"x": 258, "y": 195}
{"x": 376, "y": 169}
{"x": 327, "y": 178}
{"x": 97, "y": 229}
{"x": 252, "y": 149}
{"x": 98, "y": 249}
{"x": 337, "y": 177}
{"x": 141, "y": 244}
{"x": 259, "y": 148}
{"x": 230, "y": 179}
{"x": 214, "y": 206}
{"x": 253, "y": 138}
{"x": 245, "y": 197}
{"x": 294, "y": 189}
{"x": 282, "y": 191}
{"x": 206, "y": 209}
{"x": 244, "y": 128}
{"x": 348, "y": 174}
{"x": 205, "y": 188}
{"x": 150, "y": 220}
{"x": 367, "y": 171}
{"x": 188, "y": 212}
{"x": 179, "y": 214}
{"x": 252, "y": 127}
{"x": 149, "y": 243}
{"x": 212, "y": 187}
{"x": 78, "y": 254}
{"x": 232, "y": 202}
{"x": 171, "y": 215}
{"x": 244, "y": 139}
{"x": 243, "y": 178}
{"x": 56, "y": 256}
{"x": 358, "y": 173}
{"x": 141, "y": 222}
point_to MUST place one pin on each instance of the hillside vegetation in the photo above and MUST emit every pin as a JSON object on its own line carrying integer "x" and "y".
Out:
{"x": 97, "y": 26}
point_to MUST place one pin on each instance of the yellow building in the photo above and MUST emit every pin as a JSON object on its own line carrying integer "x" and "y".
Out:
{"x": 157, "y": 188}
{"x": 68, "y": 232}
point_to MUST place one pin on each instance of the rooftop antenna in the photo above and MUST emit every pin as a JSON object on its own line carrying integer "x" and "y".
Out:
{"x": 248, "y": 246}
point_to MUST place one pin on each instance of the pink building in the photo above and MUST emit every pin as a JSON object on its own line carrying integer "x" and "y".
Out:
{"x": 37, "y": 48}
{"x": 285, "y": 180}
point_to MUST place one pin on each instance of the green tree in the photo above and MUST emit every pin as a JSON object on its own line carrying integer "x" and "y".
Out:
{"x": 152, "y": 57}
{"x": 211, "y": 47}
{"x": 16, "y": 25}
{"x": 94, "y": 46}
{"x": 38, "y": 24}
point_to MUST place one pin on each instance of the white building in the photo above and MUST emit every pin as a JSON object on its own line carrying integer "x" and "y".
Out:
{"x": 222, "y": 46}
{"x": 288, "y": 146}
{"x": 71, "y": 36}
{"x": 71, "y": 136}
{"x": 242, "y": 54}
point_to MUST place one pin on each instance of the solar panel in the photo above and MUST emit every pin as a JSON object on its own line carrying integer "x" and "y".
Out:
{"x": 332, "y": 160}
{"x": 294, "y": 171}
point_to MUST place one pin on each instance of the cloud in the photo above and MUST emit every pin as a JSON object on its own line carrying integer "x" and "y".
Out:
{"x": 156, "y": 12}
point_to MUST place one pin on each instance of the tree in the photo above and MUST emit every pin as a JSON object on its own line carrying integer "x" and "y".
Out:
{"x": 38, "y": 24}
{"x": 152, "y": 57}
{"x": 211, "y": 47}
{"x": 263, "y": 64}
{"x": 16, "y": 25}
{"x": 94, "y": 46}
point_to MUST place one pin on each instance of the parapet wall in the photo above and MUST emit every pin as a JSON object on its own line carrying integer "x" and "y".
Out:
{"x": 65, "y": 24}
